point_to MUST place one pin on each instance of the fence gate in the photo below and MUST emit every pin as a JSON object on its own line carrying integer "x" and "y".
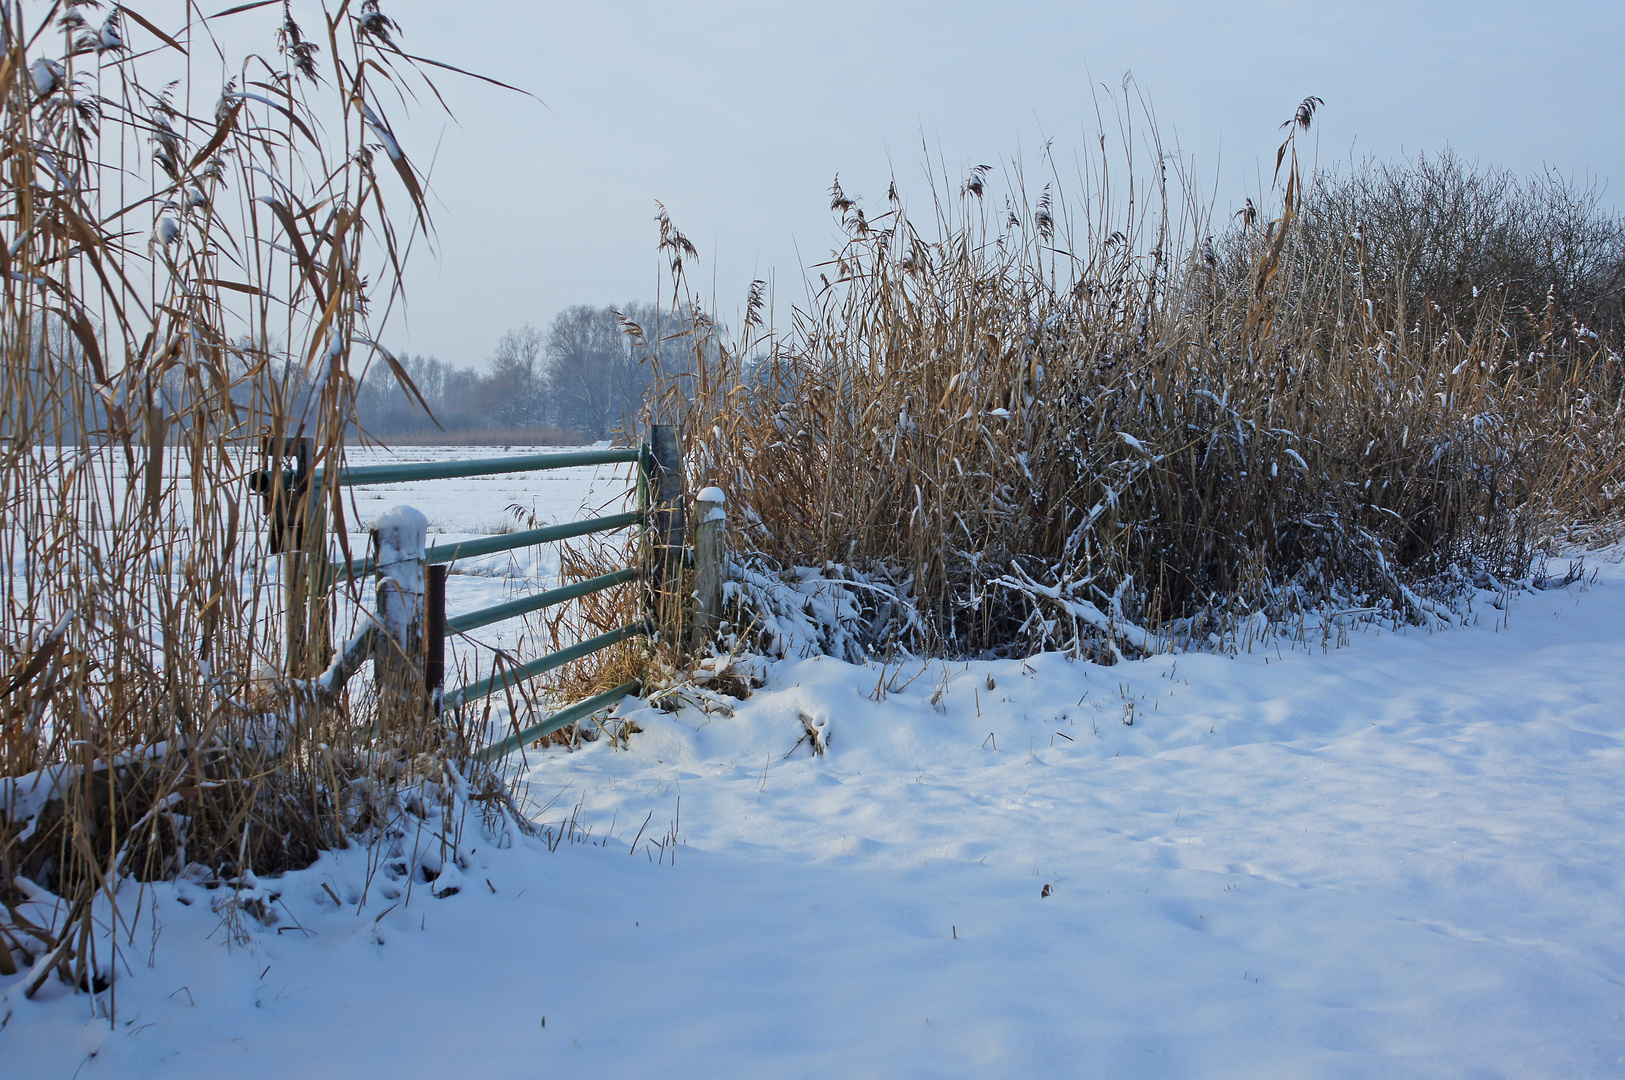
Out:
{"x": 293, "y": 498}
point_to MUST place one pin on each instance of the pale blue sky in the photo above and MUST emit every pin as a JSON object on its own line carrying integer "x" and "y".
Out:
{"x": 737, "y": 115}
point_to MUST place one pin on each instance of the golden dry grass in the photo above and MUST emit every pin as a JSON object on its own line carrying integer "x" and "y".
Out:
{"x": 1020, "y": 417}
{"x": 189, "y": 267}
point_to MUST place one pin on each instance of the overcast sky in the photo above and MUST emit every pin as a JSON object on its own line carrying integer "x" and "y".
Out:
{"x": 737, "y": 115}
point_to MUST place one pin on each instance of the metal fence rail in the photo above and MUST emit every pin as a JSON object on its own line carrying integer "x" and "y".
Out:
{"x": 536, "y": 601}
{"x": 579, "y": 711}
{"x": 406, "y": 472}
{"x": 291, "y": 495}
{"x": 490, "y": 545}
{"x": 508, "y": 676}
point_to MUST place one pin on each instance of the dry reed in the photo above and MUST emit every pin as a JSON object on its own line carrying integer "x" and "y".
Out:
{"x": 189, "y": 266}
{"x": 1035, "y": 424}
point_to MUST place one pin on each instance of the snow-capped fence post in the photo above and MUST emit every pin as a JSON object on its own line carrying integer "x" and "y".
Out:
{"x": 666, "y": 573}
{"x": 400, "y": 652}
{"x": 711, "y": 520}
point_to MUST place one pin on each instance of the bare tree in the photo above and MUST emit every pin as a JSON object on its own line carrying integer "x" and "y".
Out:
{"x": 599, "y": 365}
{"x": 583, "y": 344}
{"x": 513, "y": 391}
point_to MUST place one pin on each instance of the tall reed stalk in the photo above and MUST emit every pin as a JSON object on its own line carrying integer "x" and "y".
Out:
{"x": 1109, "y": 422}
{"x": 198, "y": 253}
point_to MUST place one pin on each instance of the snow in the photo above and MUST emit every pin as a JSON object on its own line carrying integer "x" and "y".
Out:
{"x": 381, "y": 129}
{"x": 1133, "y": 444}
{"x": 1400, "y": 857}
{"x": 399, "y": 535}
{"x": 47, "y": 75}
{"x": 710, "y": 504}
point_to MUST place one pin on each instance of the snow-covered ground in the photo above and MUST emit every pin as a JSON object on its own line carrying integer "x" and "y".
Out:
{"x": 1402, "y": 857}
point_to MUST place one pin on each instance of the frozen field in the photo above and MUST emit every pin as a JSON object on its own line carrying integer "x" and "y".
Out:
{"x": 1400, "y": 858}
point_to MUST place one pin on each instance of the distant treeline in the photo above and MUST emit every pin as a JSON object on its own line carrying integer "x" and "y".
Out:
{"x": 583, "y": 378}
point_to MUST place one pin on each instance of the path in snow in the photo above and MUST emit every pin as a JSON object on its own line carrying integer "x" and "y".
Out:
{"x": 1400, "y": 858}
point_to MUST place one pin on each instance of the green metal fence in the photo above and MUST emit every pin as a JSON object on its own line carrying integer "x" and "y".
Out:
{"x": 299, "y": 491}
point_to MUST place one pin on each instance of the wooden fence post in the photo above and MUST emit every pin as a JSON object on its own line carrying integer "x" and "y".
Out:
{"x": 667, "y": 498}
{"x": 316, "y": 574}
{"x": 288, "y": 505}
{"x": 710, "y": 526}
{"x": 298, "y": 520}
{"x": 295, "y": 617}
{"x": 434, "y": 672}
{"x": 400, "y": 653}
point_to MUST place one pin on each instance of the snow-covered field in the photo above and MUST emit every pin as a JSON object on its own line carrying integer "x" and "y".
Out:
{"x": 1402, "y": 857}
